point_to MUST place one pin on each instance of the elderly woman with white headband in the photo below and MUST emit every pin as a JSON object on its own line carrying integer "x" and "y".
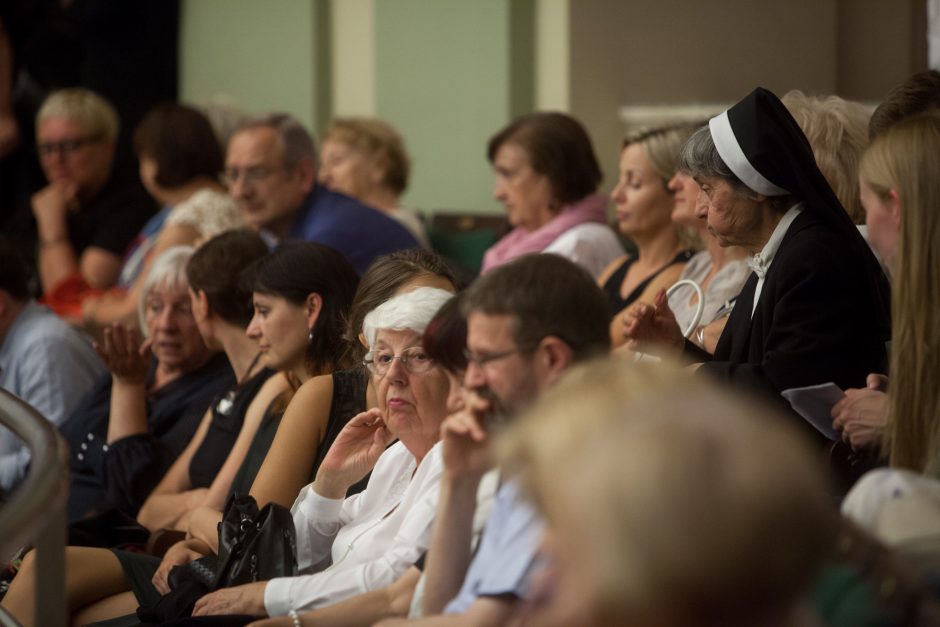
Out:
{"x": 373, "y": 537}
{"x": 815, "y": 308}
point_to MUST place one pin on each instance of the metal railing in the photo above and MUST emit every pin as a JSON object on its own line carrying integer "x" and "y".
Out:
{"x": 35, "y": 510}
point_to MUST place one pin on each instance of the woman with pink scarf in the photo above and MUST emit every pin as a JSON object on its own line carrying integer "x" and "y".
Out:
{"x": 546, "y": 177}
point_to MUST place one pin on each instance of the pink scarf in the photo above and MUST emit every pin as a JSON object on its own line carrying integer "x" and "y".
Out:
{"x": 519, "y": 241}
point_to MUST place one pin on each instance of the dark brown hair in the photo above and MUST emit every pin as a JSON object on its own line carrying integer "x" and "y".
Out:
{"x": 181, "y": 141}
{"x": 559, "y": 148}
{"x": 215, "y": 268}
{"x": 445, "y": 337}
{"x": 919, "y": 93}
{"x": 294, "y": 271}
{"x": 547, "y": 295}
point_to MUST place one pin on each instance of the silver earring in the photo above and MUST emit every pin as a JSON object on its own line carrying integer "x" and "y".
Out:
{"x": 310, "y": 335}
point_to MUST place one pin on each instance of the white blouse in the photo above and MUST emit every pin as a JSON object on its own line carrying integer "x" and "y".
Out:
{"x": 365, "y": 542}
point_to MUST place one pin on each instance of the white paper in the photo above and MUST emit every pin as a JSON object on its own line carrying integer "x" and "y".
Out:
{"x": 814, "y": 403}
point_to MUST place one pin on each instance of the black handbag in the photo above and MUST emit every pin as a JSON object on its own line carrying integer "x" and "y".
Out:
{"x": 253, "y": 546}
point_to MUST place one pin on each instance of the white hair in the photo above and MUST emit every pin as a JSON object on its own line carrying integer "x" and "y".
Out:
{"x": 168, "y": 270}
{"x": 412, "y": 311}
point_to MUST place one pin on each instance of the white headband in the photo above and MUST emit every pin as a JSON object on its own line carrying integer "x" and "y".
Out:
{"x": 730, "y": 151}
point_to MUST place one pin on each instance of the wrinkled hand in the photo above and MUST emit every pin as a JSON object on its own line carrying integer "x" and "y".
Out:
{"x": 652, "y": 328}
{"x": 9, "y": 134}
{"x": 354, "y": 452}
{"x": 466, "y": 447}
{"x": 246, "y": 599}
{"x": 124, "y": 354}
{"x": 862, "y": 415}
{"x": 183, "y": 552}
{"x": 51, "y": 203}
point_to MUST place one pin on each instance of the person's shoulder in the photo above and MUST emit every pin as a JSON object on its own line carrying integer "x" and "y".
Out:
{"x": 39, "y": 324}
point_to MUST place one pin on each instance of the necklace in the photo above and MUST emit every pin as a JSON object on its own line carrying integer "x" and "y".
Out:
{"x": 225, "y": 404}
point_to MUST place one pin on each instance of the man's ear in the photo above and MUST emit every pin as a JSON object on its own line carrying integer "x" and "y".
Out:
{"x": 555, "y": 357}
{"x": 313, "y": 306}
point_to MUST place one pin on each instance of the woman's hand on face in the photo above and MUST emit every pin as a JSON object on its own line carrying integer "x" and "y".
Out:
{"x": 651, "y": 327}
{"x": 354, "y": 452}
{"x": 180, "y": 553}
{"x": 862, "y": 415}
{"x": 125, "y": 355}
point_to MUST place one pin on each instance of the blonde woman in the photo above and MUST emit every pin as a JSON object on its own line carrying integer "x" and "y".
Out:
{"x": 366, "y": 158}
{"x": 837, "y": 130}
{"x": 901, "y": 193}
{"x": 644, "y": 208}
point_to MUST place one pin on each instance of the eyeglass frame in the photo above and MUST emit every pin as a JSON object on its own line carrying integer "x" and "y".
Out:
{"x": 67, "y": 147}
{"x": 403, "y": 357}
{"x": 251, "y": 175}
{"x": 481, "y": 361}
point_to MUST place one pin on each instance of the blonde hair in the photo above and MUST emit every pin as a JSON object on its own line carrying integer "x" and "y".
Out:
{"x": 662, "y": 146}
{"x": 906, "y": 159}
{"x": 84, "y": 107}
{"x": 675, "y": 499}
{"x": 837, "y": 131}
{"x": 379, "y": 142}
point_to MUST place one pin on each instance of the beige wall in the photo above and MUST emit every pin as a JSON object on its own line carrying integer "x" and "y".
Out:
{"x": 648, "y": 52}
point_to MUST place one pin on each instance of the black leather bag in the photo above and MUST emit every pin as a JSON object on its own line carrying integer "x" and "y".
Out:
{"x": 253, "y": 546}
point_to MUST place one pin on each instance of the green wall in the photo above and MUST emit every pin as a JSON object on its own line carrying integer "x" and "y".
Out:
{"x": 263, "y": 55}
{"x": 443, "y": 78}
{"x": 448, "y": 74}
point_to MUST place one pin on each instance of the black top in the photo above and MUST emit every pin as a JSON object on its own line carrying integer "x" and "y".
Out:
{"x": 349, "y": 399}
{"x": 228, "y": 416}
{"x": 111, "y": 219}
{"x": 818, "y": 318}
{"x": 611, "y": 287}
{"x": 123, "y": 474}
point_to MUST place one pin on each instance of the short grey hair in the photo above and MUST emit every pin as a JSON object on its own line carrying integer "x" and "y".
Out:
{"x": 168, "y": 270}
{"x": 85, "y": 108}
{"x": 700, "y": 158}
{"x": 296, "y": 142}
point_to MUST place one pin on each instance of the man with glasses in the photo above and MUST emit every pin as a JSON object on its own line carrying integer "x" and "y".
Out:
{"x": 271, "y": 171}
{"x": 527, "y": 323}
{"x": 86, "y": 216}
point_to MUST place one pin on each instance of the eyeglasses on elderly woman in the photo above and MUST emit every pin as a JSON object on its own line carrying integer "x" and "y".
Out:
{"x": 415, "y": 360}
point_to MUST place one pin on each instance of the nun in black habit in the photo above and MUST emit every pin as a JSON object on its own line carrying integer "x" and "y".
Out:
{"x": 815, "y": 308}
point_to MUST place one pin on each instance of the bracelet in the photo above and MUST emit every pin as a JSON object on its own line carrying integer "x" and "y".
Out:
{"x": 296, "y": 619}
{"x": 700, "y": 336}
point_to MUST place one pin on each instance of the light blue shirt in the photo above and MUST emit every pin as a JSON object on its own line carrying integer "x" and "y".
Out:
{"x": 506, "y": 558}
{"x": 51, "y": 366}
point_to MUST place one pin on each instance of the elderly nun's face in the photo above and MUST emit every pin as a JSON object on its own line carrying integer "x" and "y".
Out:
{"x": 412, "y": 394}
{"x": 732, "y": 215}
